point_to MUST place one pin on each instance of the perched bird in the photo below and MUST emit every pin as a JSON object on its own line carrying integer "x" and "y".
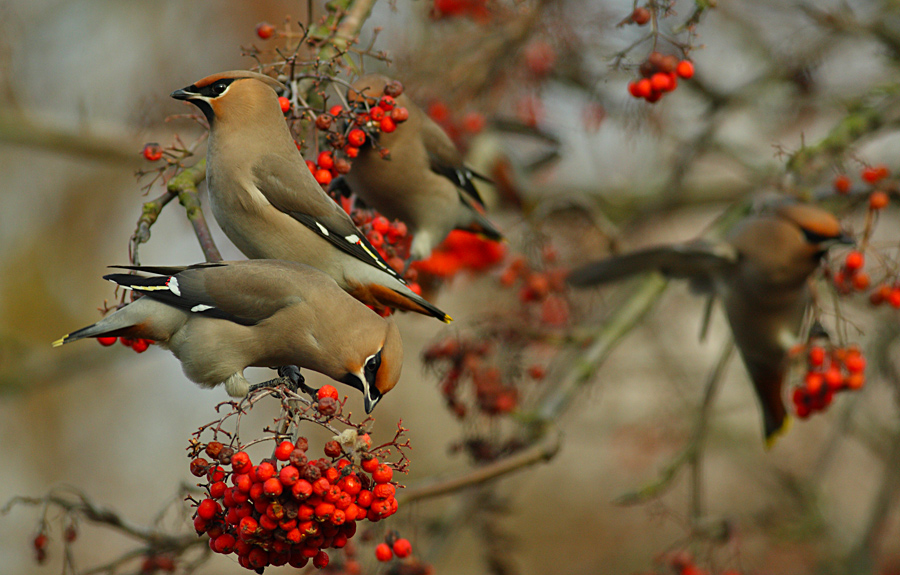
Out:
{"x": 423, "y": 183}
{"x": 268, "y": 203}
{"x": 220, "y": 318}
{"x": 760, "y": 272}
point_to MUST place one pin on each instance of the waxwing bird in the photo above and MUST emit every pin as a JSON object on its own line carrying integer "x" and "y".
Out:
{"x": 760, "y": 272}
{"x": 267, "y": 202}
{"x": 424, "y": 183}
{"x": 220, "y": 318}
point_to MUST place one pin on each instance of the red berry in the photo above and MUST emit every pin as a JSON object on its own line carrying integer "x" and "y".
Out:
{"x": 351, "y": 151}
{"x": 258, "y": 558}
{"x": 336, "y": 110}
{"x": 402, "y": 548}
{"x": 370, "y": 465}
{"x": 377, "y": 114}
{"x": 320, "y": 560}
{"x": 289, "y": 475}
{"x": 382, "y": 473}
{"x": 816, "y": 356}
{"x": 878, "y": 200}
{"x": 399, "y": 114}
{"x": 312, "y": 166}
{"x": 284, "y": 103}
{"x": 341, "y": 166}
{"x": 264, "y": 471}
{"x": 284, "y": 450}
{"x": 660, "y": 82}
{"x": 323, "y": 121}
{"x": 140, "y": 345}
{"x": 854, "y": 261}
{"x": 107, "y": 341}
{"x": 323, "y": 177}
{"x": 199, "y": 467}
{"x": 640, "y": 16}
{"x": 383, "y": 552}
{"x": 814, "y": 381}
{"x": 356, "y": 137}
{"x": 855, "y": 362}
{"x": 332, "y": 449}
{"x": 265, "y": 30}
{"x": 302, "y": 489}
{"x": 207, "y": 509}
{"x": 376, "y": 239}
{"x": 224, "y": 543}
{"x": 381, "y": 224}
{"x": 643, "y": 88}
{"x": 152, "y": 152}
{"x": 841, "y": 183}
{"x": 325, "y": 160}
{"x": 327, "y": 391}
{"x": 685, "y": 69}
{"x": 439, "y": 112}
{"x": 387, "y": 125}
{"x": 239, "y": 461}
{"x": 387, "y": 103}
{"x": 272, "y": 487}
{"x": 40, "y": 542}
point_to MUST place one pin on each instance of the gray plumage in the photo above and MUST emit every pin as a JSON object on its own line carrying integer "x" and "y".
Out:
{"x": 424, "y": 183}
{"x": 268, "y": 203}
{"x": 221, "y": 318}
{"x": 760, "y": 272}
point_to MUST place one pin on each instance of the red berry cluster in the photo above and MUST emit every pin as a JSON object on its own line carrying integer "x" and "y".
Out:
{"x": 459, "y": 251}
{"x": 459, "y": 127}
{"x": 138, "y": 345}
{"x": 152, "y": 152}
{"x": 475, "y": 9}
{"x": 886, "y": 293}
{"x": 851, "y": 277}
{"x": 872, "y": 175}
{"x": 393, "y": 545}
{"x": 289, "y": 509}
{"x": 829, "y": 371}
{"x": 659, "y": 75}
{"x": 359, "y": 123}
{"x": 546, "y": 288}
{"x": 467, "y": 360}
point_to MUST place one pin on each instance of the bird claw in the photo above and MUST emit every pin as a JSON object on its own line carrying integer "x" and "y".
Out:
{"x": 296, "y": 381}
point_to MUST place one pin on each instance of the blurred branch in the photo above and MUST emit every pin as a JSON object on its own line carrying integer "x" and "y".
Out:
{"x": 542, "y": 451}
{"x": 691, "y": 454}
{"x": 16, "y": 129}
{"x": 185, "y": 185}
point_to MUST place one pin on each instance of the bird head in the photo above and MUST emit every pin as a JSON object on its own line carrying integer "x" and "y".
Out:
{"x": 231, "y": 93}
{"x": 820, "y": 229}
{"x": 380, "y": 371}
{"x": 368, "y": 88}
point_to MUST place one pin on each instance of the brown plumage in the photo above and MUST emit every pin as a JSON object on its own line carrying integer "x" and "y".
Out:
{"x": 760, "y": 272}
{"x": 221, "y": 318}
{"x": 268, "y": 203}
{"x": 424, "y": 183}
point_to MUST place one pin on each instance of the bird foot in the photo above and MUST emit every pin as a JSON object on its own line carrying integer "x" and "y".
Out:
{"x": 296, "y": 380}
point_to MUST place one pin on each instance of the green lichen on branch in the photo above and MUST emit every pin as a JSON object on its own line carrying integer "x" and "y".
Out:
{"x": 184, "y": 185}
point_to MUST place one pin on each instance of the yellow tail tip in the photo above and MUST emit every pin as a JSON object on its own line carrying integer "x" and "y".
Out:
{"x": 778, "y": 433}
{"x": 60, "y": 341}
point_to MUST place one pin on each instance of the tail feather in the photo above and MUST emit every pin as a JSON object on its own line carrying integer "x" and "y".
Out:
{"x": 405, "y": 300}
{"x": 102, "y": 328}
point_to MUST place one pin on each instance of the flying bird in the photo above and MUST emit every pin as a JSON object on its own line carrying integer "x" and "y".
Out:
{"x": 220, "y": 318}
{"x": 760, "y": 273}
{"x": 267, "y": 202}
{"x": 424, "y": 183}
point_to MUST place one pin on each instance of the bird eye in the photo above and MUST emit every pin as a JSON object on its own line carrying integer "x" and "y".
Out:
{"x": 219, "y": 87}
{"x": 374, "y": 363}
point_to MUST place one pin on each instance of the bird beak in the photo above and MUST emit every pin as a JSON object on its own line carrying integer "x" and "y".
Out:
{"x": 182, "y": 94}
{"x": 371, "y": 400}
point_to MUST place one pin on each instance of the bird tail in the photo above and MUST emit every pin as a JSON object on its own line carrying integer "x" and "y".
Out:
{"x": 483, "y": 227}
{"x": 406, "y": 300}
{"x": 116, "y": 324}
{"x": 768, "y": 381}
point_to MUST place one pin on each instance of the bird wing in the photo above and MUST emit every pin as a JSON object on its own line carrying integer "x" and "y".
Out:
{"x": 295, "y": 192}
{"x": 243, "y": 294}
{"x": 446, "y": 161}
{"x": 699, "y": 261}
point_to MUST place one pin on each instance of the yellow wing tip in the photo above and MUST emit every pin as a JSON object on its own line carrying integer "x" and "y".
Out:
{"x": 446, "y": 319}
{"x": 780, "y": 432}
{"x": 60, "y": 341}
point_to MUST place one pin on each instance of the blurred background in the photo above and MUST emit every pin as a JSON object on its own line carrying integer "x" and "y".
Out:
{"x": 533, "y": 96}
